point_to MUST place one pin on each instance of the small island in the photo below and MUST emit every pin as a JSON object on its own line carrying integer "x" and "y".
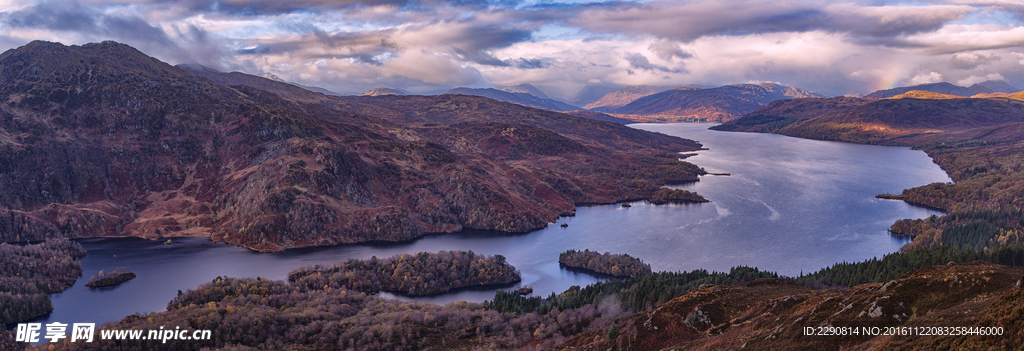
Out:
{"x": 112, "y": 278}
{"x": 677, "y": 196}
{"x": 419, "y": 274}
{"x": 622, "y": 266}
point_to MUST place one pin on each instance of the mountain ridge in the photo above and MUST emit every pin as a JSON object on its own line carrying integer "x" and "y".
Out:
{"x": 713, "y": 104}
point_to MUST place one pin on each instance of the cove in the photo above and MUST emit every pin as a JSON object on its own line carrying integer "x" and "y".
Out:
{"x": 788, "y": 205}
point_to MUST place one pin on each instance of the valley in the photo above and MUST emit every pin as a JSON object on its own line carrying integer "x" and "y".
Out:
{"x": 104, "y": 142}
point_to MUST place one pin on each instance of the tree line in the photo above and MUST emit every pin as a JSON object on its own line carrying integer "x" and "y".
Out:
{"x": 418, "y": 274}
{"x": 618, "y": 265}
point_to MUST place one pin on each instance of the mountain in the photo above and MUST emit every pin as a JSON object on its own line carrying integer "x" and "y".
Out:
{"x": 526, "y": 89}
{"x": 714, "y": 104}
{"x": 102, "y": 140}
{"x": 517, "y": 98}
{"x": 912, "y": 119}
{"x": 998, "y": 86}
{"x": 941, "y": 88}
{"x": 591, "y": 93}
{"x": 384, "y": 91}
{"x": 620, "y": 97}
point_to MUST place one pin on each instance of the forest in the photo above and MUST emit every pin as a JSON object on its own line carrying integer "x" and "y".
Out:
{"x": 633, "y": 294}
{"x": 28, "y": 273}
{"x": 896, "y": 264}
{"x": 416, "y": 275}
{"x": 617, "y": 265}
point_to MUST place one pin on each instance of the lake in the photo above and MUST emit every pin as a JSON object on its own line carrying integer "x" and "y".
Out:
{"x": 790, "y": 205}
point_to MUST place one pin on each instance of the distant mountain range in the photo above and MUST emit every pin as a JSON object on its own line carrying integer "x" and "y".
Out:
{"x": 913, "y": 118}
{"x": 518, "y": 98}
{"x": 714, "y": 104}
{"x": 987, "y": 87}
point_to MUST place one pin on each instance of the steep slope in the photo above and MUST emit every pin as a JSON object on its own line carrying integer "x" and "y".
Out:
{"x": 937, "y": 308}
{"x": 517, "y": 98}
{"x": 526, "y": 89}
{"x": 941, "y": 88}
{"x": 714, "y": 104}
{"x": 620, "y": 97}
{"x": 268, "y": 75}
{"x": 102, "y": 140}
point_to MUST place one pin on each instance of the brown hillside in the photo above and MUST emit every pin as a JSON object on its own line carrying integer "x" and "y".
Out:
{"x": 102, "y": 140}
{"x": 770, "y": 314}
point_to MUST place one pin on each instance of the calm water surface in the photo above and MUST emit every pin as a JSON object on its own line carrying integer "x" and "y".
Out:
{"x": 789, "y": 205}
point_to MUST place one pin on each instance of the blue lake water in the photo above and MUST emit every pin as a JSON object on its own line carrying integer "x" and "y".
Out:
{"x": 789, "y": 205}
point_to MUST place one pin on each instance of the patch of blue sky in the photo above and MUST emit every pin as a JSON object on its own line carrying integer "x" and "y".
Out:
{"x": 292, "y": 24}
{"x": 990, "y": 15}
{"x": 556, "y": 31}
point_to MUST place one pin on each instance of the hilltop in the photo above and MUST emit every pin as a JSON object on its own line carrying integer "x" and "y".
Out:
{"x": 106, "y": 141}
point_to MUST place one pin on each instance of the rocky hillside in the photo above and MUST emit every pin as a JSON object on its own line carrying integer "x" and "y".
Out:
{"x": 700, "y": 105}
{"x": 935, "y": 308}
{"x": 102, "y": 140}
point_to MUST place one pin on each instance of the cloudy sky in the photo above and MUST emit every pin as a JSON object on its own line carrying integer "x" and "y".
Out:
{"x": 429, "y": 45}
